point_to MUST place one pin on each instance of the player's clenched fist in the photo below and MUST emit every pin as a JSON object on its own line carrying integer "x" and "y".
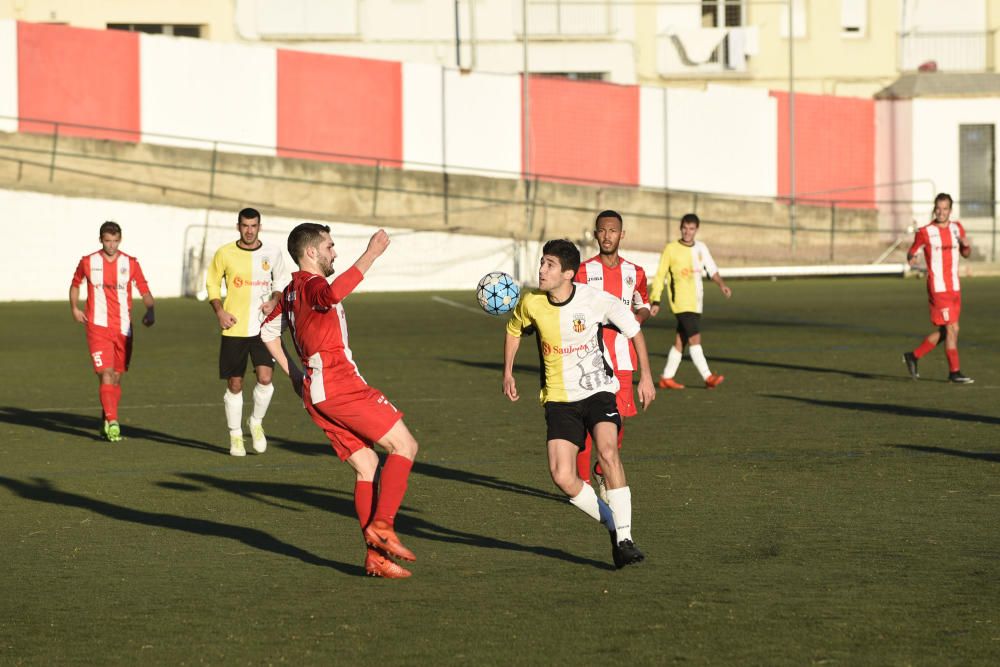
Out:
{"x": 510, "y": 388}
{"x": 378, "y": 243}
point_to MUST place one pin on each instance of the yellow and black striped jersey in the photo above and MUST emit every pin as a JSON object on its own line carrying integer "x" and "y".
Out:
{"x": 251, "y": 277}
{"x": 571, "y": 348}
{"x": 681, "y": 268}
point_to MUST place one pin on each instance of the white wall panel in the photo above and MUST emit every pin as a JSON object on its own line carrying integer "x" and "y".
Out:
{"x": 722, "y": 140}
{"x": 208, "y": 91}
{"x": 8, "y": 76}
{"x": 483, "y": 124}
{"x": 894, "y": 164}
{"x": 162, "y": 236}
{"x": 936, "y": 149}
{"x": 652, "y": 152}
{"x": 422, "y": 108}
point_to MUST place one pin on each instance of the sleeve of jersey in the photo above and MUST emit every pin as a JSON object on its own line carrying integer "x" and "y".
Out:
{"x": 80, "y": 274}
{"x": 279, "y": 277}
{"x": 213, "y": 281}
{"x": 326, "y": 294}
{"x": 918, "y": 243}
{"x": 138, "y": 278}
{"x": 656, "y": 289}
{"x": 581, "y": 275}
{"x": 641, "y": 290}
{"x": 961, "y": 230}
{"x": 620, "y": 316}
{"x": 270, "y": 329}
{"x": 711, "y": 268}
{"x": 518, "y": 321}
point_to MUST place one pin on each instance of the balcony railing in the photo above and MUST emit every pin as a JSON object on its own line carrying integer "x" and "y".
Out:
{"x": 949, "y": 51}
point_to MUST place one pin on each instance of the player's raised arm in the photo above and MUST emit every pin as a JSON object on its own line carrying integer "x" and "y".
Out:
{"x": 510, "y": 346}
{"x": 376, "y": 246}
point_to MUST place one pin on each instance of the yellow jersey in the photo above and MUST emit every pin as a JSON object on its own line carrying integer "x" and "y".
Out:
{"x": 251, "y": 277}
{"x": 574, "y": 361}
{"x": 680, "y": 270}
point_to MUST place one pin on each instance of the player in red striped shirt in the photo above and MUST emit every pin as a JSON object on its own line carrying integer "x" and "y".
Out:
{"x": 353, "y": 415}
{"x": 609, "y": 271}
{"x": 110, "y": 275}
{"x": 942, "y": 241}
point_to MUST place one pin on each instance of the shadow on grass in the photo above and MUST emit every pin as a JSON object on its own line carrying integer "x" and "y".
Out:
{"x": 86, "y": 427}
{"x": 492, "y": 366}
{"x": 285, "y": 495}
{"x": 890, "y": 409}
{"x": 41, "y": 490}
{"x": 860, "y": 375}
{"x": 926, "y": 449}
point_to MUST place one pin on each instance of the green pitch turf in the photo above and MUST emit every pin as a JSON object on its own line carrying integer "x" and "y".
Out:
{"x": 819, "y": 507}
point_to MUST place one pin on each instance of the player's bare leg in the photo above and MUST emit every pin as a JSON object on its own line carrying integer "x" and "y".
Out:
{"x": 562, "y": 467}
{"x": 262, "y": 393}
{"x": 619, "y": 494}
{"x": 402, "y": 448}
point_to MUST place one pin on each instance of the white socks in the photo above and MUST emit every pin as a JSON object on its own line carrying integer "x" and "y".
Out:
{"x": 698, "y": 357}
{"x": 261, "y": 399}
{"x": 234, "y": 412}
{"x": 673, "y": 361}
{"x": 620, "y": 501}
{"x": 594, "y": 507}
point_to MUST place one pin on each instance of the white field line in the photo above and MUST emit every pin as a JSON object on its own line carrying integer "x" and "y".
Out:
{"x": 456, "y": 304}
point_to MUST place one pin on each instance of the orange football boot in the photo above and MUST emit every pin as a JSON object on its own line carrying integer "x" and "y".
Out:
{"x": 377, "y": 564}
{"x": 380, "y": 535}
{"x": 713, "y": 381}
{"x": 669, "y": 383}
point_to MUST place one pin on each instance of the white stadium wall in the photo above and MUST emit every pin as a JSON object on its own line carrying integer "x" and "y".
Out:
{"x": 208, "y": 90}
{"x": 161, "y": 237}
{"x": 652, "y": 149}
{"x": 8, "y": 76}
{"x": 709, "y": 150}
{"x": 894, "y": 165}
{"x": 483, "y": 123}
{"x": 936, "y": 143}
{"x": 422, "y": 109}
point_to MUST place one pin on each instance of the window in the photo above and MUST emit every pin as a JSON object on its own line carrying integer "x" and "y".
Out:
{"x": 975, "y": 170}
{"x": 574, "y": 76}
{"x": 177, "y": 30}
{"x": 853, "y": 18}
{"x": 721, "y": 13}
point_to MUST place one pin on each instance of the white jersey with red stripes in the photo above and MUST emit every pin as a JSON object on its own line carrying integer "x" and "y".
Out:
{"x": 109, "y": 289}
{"x": 627, "y": 281}
{"x": 312, "y": 309}
{"x": 940, "y": 244}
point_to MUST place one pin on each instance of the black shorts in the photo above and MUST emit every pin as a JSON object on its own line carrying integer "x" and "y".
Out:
{"x": 572, "y": 421}
{"x": 688, "y": 324}
{"x": 233, "y": 353}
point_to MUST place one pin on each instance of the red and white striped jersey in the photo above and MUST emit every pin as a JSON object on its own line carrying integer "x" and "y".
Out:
{"x": 627, "y": 281}
{"x": 941, "y": 252}
{"x": 312, "y": 309}
{"x": 109, "y": 289}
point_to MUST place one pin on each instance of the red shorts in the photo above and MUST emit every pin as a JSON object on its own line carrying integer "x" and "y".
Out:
{"x": 625, "y": 398}
{"x": 354, "y": 421}
{"x": 945, "y": 307}
{"x": 109, "y": 349}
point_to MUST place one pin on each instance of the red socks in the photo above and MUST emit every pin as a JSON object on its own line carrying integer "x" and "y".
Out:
{"x": 110, "y": 394}
{"x": 923, "y": 349}
{"x": 364, "y": 502}
{"x": 392, "y": 487}
{"x": 952, "y": 360}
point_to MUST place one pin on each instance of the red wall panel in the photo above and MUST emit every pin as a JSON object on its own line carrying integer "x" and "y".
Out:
{"x": 351, "y": 108}
{"x": 583, "y": 130}
{"x": 72, "y": 75}
{"x": 834, "y": 148}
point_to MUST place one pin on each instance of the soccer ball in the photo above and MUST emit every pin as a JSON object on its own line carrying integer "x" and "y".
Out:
{"x": 497, "y": 293}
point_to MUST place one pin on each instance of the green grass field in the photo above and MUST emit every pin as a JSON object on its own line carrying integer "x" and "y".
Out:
{"x": 819, "y": 507}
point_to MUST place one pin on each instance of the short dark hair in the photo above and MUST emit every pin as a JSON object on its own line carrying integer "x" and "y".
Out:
{"x": 110, "y": 227}
{"x": 691, "y": 217}
{"x": 566, "y": 251}
{"x": 609, "y": 214}
{"x": 248, "y": 214}
{"x": 943, "y": 196}
{"x": 304, "y": 236}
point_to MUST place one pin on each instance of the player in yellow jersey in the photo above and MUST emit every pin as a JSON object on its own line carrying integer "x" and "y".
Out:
{"x": 254, "y": 273}
{"x": 681, "y": 267}
{"x": 579, "y": 384}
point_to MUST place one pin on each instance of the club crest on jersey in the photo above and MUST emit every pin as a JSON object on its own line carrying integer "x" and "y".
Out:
{"x": 629, "y": 280}
{"x": 579, "y": 322}
{"x": 123, "y": 270}
{"x": 266, "y": 265}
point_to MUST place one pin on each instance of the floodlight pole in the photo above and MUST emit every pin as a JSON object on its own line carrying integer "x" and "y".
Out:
{"x": 791, "y": 120}
{"x": 525, "y": 115}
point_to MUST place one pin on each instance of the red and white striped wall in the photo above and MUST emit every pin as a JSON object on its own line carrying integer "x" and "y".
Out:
{"x": 261, "y": 100}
